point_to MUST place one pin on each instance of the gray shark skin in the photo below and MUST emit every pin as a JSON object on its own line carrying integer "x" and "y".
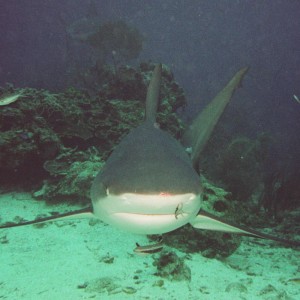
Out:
{"x": 150, "y": 185}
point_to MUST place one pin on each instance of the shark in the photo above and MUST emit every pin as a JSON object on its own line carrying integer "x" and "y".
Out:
{"x": 150, "y": 184}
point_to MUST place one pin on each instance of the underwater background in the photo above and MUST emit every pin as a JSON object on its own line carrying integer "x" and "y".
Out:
{"x": 73, "y": 78}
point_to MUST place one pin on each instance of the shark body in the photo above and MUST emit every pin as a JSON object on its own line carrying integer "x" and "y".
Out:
{"x": 154, "y": 178}
{"x": 150, "y": 184}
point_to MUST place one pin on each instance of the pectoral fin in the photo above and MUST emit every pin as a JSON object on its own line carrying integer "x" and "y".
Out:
{"x": 76, "y": 214}
{"x": 205, "y": 220}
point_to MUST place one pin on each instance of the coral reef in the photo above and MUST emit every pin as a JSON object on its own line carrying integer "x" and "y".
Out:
{"x": 61, "y": 140}
{"x": 239, "y": 168}
{"x": 170, "y": 266}
{"x": 238, "y": 165}
{"x": 281, "y": 190}
{"x": 71, "y": 178}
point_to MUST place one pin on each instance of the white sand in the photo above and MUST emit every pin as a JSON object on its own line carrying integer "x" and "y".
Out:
{"x": 51, "y": 262}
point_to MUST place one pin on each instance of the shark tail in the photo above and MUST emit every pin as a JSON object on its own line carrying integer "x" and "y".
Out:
{"x": 80, "y": 213}
{"x": 199, "y": 132}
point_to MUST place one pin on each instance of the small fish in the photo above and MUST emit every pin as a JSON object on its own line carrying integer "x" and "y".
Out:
{"x": 295, "y": 280}
{"x": 7, "y": 99}
{"x": 149, "y": 249}
{"x": 296, "y": 98}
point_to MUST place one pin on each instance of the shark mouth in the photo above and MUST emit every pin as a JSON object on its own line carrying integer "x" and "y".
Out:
{"x": 147, "y": 214}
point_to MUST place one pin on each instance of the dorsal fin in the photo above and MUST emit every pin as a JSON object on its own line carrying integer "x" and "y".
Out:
{"x": 199, "y": 132}
{"x": 153, "y": 95}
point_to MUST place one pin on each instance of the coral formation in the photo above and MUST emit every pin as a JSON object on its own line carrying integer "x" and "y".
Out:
{"x": 54, "y": 137}
{"x": 238, "y": 164}
{"x": 172, "y": 267}
{"x": 72, "y": 178}
{"x": 281, "y": 190}
{"x": 240, "y": 168}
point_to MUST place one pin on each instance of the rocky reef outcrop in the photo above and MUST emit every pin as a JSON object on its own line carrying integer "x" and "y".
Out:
{"x": 55, "y": 143}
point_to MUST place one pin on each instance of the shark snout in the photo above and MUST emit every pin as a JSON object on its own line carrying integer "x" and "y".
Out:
{"x": 147, "y": 214}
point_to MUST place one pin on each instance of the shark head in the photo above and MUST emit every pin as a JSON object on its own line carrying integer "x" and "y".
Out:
{"x": 148, "y": 184}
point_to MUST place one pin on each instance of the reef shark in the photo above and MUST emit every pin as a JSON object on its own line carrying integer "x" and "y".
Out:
{"x": 150, "y": 184}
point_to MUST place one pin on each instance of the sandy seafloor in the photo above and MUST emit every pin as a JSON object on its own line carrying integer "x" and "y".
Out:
{"x": 69, "y": 260}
